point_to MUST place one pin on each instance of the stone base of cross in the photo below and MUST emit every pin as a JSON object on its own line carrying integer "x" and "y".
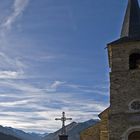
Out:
{"x": 63, "y": 137}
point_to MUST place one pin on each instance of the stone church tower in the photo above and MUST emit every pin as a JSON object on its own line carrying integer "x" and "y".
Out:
{"x": 124, "y": 61}
{"x": 121, "y": 121}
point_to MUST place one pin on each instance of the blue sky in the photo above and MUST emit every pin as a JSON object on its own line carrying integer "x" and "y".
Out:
{"x": 52, "y": 59}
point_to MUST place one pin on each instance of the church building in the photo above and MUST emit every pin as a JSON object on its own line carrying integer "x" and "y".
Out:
{"x": 121, "y": 121}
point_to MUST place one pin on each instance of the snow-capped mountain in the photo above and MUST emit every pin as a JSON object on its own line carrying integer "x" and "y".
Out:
{"x": 73, "y": 130}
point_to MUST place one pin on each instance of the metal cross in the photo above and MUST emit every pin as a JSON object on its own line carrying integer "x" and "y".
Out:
{"x": 63, "y": 119}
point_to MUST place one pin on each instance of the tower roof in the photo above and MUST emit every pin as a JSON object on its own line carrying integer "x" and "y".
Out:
{"x": 131, "y": 24}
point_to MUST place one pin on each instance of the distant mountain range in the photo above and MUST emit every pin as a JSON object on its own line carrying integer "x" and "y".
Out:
{"x": 73, "y": 130}
{"x": 19, "y": 134}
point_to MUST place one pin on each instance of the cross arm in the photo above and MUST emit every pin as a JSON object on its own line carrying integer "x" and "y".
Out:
{"x": 57, "y": 119}
{"x": 68, "y": 118}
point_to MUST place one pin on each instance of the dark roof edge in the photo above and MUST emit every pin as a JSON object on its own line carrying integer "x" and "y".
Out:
{"x": 124, "y": 40}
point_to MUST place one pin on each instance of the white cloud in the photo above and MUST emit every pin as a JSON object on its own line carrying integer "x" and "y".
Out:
{"x": 57, "y": 84}
{"x": 22, "y": 102}
{"x": 42, "y": 106}
{"x": 14, "y": 103}
{"x": 11, "y": 68}
{"x": 18, "y": 8}
{"x": 23, "y": 87}
{"x": 10, "y": 74}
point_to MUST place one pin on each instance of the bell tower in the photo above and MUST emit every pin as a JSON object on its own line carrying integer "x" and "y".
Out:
{"x": 124, "y": 62}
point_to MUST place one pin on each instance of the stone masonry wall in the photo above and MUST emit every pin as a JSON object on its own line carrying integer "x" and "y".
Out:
{"x": 124, "y": 88}
{"x": 92, "y": 133}
{"x": 98, "y": 131}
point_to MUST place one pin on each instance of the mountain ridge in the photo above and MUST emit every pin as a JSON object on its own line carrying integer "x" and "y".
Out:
{"x": 73, "y": 130}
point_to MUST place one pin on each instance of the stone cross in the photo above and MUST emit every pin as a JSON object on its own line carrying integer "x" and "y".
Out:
{"x": 63, "y": 119}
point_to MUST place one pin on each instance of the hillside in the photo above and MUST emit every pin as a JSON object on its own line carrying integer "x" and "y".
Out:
{"x": 73, "y": 130}
{"x": 7, "y": 137}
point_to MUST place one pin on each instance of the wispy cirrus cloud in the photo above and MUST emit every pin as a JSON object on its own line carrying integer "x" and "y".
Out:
{"x": 100, "y": 90}
{"x": 11, "y": 67}
{"x": 10, "y": 74}
{"x": 17, "y": 9}
{"x": 8, "y": 62}
{"x": 31, "y": 100}
{"x": 26, "y": 100}
{"x": 57, "y": 84}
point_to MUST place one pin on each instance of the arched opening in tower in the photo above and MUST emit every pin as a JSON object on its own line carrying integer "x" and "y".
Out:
{"x": 134, "y": 136}
{"x": 134, "y": 61}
